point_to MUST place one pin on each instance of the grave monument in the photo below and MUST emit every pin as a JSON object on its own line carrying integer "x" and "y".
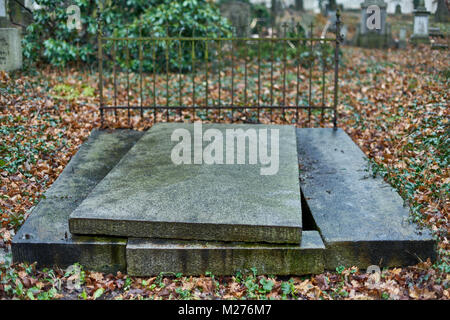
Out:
{"x": 132, "y": 201}
{"x": 421, "y": 24}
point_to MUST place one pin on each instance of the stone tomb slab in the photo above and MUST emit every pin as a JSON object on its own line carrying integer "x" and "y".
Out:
{"x": 45, "y": 236}
{"x": 362, "y": 220}
{"x": 148, "y": 196}
{"x": 146, "y": 257}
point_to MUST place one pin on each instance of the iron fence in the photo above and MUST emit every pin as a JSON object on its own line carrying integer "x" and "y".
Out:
{"x": 262, "y": 79}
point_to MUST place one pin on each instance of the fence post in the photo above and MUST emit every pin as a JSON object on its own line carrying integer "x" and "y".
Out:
{"x": 336, "y": 66}
{"x": 100, "y": 60}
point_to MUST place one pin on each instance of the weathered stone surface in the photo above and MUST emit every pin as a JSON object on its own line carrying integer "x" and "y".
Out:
{"x": 45, "y": 236}
{"x": 2, "y": 8}
{"x": 10, "y": 49}
{"x": 147, "y": 195}
{"x": 361, "y": 219}
{"x": 147, "y": 257}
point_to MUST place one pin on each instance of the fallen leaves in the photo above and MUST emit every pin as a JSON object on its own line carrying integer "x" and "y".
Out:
{"x": 394, "y": 106}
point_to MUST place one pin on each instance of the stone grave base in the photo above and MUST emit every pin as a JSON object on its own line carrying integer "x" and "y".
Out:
{"x": 373, "y": 41}
{"x": 420, "y": 40}
{"x": 349, "y": 219}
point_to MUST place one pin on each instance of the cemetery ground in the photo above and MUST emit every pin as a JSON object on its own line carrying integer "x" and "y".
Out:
{"x": 394, "y": 105}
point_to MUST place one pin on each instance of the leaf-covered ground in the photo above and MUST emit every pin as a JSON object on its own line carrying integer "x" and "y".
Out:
{"x": 394, "y": 105}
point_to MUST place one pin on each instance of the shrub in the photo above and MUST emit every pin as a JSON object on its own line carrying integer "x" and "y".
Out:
{"x": 49, "y": 40}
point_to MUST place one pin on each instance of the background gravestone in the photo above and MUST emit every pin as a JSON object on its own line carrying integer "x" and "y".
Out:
{"x": 10, "y": 49}
{"x": 402, "y": 39}
{"x": 239, "y": 15}
{"x": 376, "y": 38}
{"x": 3, "y": 21}
{"x": 331, "y": 11}
{"x": 421, "y": 24}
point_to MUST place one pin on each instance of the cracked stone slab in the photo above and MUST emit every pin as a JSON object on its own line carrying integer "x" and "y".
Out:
{"x": 362, "y": 220}
{"x": 45, "y": 235}
{"x": 146, "y": 257}
{"x": 146, "y": 195}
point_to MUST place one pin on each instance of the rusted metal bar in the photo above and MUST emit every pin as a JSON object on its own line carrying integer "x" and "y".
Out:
{"x": 128, "y": 78}
{"x": 199, "y": 39}
{"x": 272, "y": 58}
{"x": 232, "y": 80}
{"x": 284, "y": 70}
{"x": 211, "y": 107}
{"x": 220, "y": 78}
{"x": 297, "y": 95}
{"x": 180, "y": 97}
{"x": 100, "y": 61}
{"x": 115, "y": 75}
{"x": 154, "y": 80}
{"x": 311, "y": 61}
{"x": 336, "y": 67}
{"x": 167, "y": 73}
{"x": 259, "y": 80}
{"x": 193, "y": 76}
{"x": 140, "y": 72}
{"x": 323, "y": 80}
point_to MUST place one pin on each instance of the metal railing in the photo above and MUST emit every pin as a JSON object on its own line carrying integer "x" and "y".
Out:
{"x": 221, "y": 79}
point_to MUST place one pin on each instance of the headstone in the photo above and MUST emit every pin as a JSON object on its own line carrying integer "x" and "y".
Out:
{"x": 151, "y": 193}
{"x": 402, "y": 39}
{"x": 239, "y": 15}
{"x": 421, "y": 19}
{"x": 10, "y": 49}
{"x": 373, "y": 29}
